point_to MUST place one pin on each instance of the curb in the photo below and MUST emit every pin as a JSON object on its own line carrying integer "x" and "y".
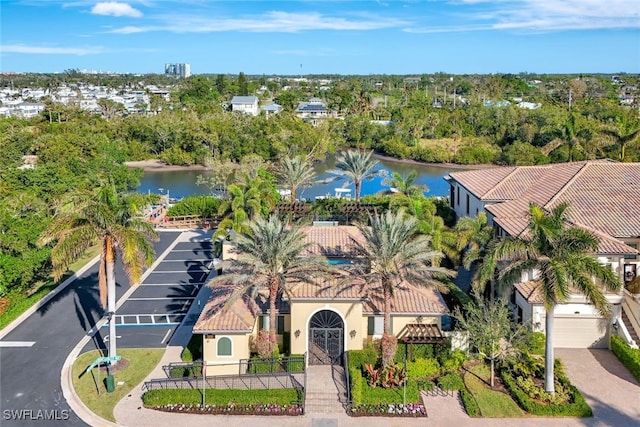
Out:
{"x": 18, "y": 320}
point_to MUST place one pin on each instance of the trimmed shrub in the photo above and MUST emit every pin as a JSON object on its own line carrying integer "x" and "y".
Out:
{"x": 258, "y": 365}
{"x": 451, "y": 381}
{"x": 357, "y": 385}
{"x": 295, "y": 363}
{"x": 423, "y": 369}
{"x": 358, "y": 358}
{"x": 630, "y": 357}
{"x": 470, "y": 404}
{"x": 577, "y": 407}
{"x": 220, "y": 396}
{"x": 454, "y": 362}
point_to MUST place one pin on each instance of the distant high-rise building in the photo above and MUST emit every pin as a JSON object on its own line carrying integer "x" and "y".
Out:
{"x": 177, "y": 70}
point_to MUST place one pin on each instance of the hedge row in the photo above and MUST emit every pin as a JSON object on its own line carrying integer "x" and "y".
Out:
{"x": 469, "y": 402}
{"x": 577, "y": 408}
{"x": 630, "y": 357}
{"x": 221, "y": 397}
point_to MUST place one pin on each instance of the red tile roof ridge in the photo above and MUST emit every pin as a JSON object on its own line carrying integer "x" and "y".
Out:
{"x": 567, "y": 184}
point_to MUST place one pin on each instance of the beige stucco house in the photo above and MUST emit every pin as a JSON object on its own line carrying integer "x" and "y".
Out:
{"x": 319, "y": 321}
{"x": 603, "y": 197}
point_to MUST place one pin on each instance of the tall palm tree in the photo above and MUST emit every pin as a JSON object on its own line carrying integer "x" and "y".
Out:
{"x": 394, "y": 253}
{"x": 111, "y": 220}
{"x": 270, "y": 257}
{"x": 561, "y": 258}
{"x": 356, "y": 166}
{"x": 624, "y": 132}
{"x": 473, "y": 235}
{"x": 294, "y": 173}
{"x": 571, "y": 135}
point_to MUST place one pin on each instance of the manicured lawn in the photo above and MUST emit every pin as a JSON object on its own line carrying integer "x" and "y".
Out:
{"x": 19, "y": 302}
{"x": 141, "y": 362}
{"x": 493, "y": 404}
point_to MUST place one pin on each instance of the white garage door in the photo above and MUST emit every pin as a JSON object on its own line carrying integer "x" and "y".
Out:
{"x": 580, "y": 332}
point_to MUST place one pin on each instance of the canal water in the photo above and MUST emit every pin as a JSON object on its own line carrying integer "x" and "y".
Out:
{"x": 180, "y": 184}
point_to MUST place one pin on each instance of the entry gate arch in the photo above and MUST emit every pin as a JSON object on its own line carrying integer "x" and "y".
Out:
{"x": 326, "y": 337}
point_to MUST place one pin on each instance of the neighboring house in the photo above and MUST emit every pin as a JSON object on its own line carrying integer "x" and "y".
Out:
{"x": 321, "y": 322}
{"x": 313, "y": 111}
{"x": 603, "y": 197}
{"x": 271, "y": 109}
{"x": 245, "y": 104}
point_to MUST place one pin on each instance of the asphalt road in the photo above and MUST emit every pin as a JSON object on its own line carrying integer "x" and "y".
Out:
{"x": 30, "y": 374}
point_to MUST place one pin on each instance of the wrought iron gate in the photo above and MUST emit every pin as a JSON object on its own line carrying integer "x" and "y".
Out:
{"x": 325, "y": 338}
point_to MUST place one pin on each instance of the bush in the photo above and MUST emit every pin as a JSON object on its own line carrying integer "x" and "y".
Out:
{"x": 295, "y": 363}
{"x": 193, "y": 350}
{"x": 577, "y": 406}
{"x": 358, "y": 358}
{"x": 629, "y": 357}
{"x": 451, "y": 382}
{"x": 470, "y": 404}
{"x": 537, "y": 343}
{"x": 423, "y": 369}
{"x": 204, "y": 206}
{"x": 357, "y": 385}
{"x": 259, "y": 365}
{"x": 220, "y": 396}
{"x": 379, "y": 395}
{"x": 454, "y": 362}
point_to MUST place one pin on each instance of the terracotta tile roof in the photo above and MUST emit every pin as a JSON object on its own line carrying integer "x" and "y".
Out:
{"x": 530, "y": 291}
{"x": 410, "y": 299}
{"x": 332, "y": 241}
{"x": 479, "y": 182}
{"x": 216, "y": 316}
{"x": 599, "y": 195}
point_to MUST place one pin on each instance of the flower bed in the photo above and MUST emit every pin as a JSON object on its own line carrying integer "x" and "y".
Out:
{"x": 389, "y": 410}
{"x": 233, "y": 409}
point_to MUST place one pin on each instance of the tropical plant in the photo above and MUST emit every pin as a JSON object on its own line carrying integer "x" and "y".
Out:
{"x": 491, "y": 333}
{"x": 571, "y": 135}
{"x": 111, "y": 220}
{"x": 270, "y": 256}
{"x": 405, "y": 184}
{"x": 244, "y": 202}
{"x": 562, "y": 260}
{"x": 294, "y": 173}
{"x": 623, "y": 132}
{"x": 472, "y": 236}
{"x": 356, "y": 166}
{"x": 394, "y": 255}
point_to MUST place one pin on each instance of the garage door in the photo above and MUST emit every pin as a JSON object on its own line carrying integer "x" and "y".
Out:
{"x": 580, "y": 332}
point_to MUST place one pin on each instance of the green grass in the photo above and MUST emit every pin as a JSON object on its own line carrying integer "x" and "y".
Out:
{"x": 141, "y": 363}
{"x": 19, "y": 301}
{"x": 160, "y": 397}
{"x": 493, "y": 404}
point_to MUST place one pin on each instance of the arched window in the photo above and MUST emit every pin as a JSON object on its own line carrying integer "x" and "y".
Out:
{"x": 224, "y": 346}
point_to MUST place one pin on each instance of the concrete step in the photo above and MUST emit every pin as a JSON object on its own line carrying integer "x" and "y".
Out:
{"x": 629, "y": 326}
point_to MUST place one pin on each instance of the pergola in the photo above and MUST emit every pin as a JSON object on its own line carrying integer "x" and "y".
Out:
{"x": 419, "y": 333}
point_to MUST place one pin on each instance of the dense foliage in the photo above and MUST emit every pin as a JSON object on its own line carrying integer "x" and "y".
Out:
{"x": 630, "y": 357}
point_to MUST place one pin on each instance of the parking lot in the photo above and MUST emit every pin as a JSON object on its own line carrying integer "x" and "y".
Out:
{"x": 150, "y": 315}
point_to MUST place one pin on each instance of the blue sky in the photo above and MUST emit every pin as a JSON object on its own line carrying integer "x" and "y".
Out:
{"x": 329, "y": 36}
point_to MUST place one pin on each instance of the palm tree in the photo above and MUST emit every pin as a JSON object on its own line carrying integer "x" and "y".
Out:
{"x": 111, "y": 220}
{"x": 356, "y": 166}
{"x": 625, "y": 132}
{"x": 571, "y": 135}
{"x": 244, "y": 202}
{"x": 405, "y": 184}
{"x": 394, "y": 254}
{"x": 294, "y": 173}
{"x": 473, "y": 234}
{"x": 270, "y": 257}
{"x": 562, "y": 260}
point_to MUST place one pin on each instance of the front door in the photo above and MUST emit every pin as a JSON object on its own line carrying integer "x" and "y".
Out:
{"x": 326, "y": 338}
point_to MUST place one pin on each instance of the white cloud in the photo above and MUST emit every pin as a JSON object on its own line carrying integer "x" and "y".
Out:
{"x": 114, "y": 8}
{"x": 539, "y": 15}
{"x": 48, "y": 50}
{"x": 274, "y": 22}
